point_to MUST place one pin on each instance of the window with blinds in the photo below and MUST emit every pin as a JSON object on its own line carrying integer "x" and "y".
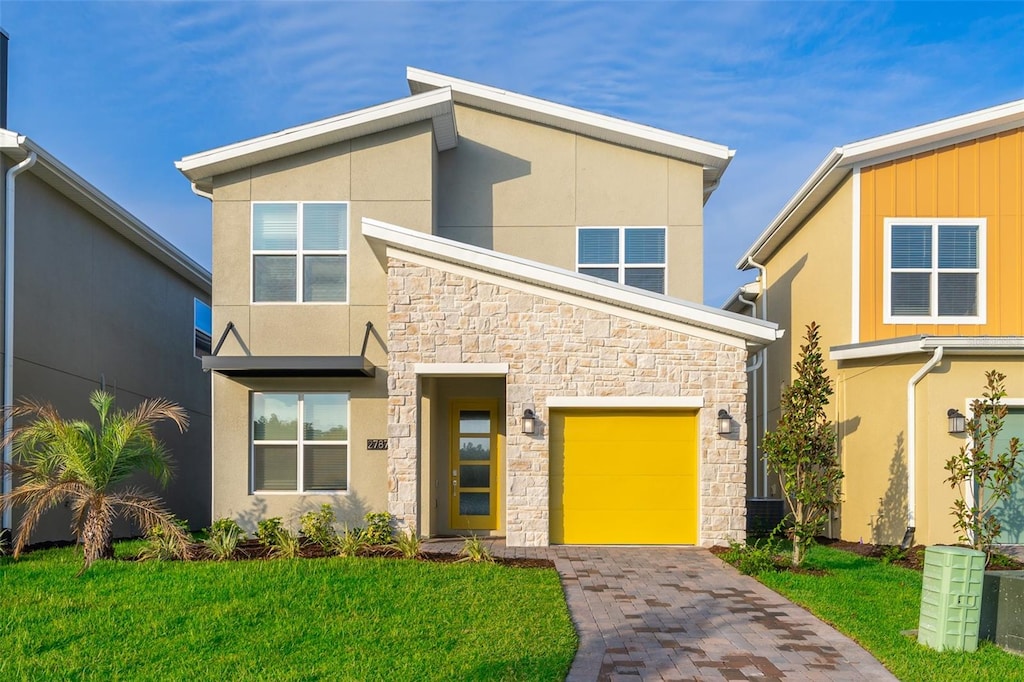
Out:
{"x": 634, "y": 256}
{"x": 299, "y": 252}
{"x": 299, "y": 442}
{"x": 934, "y": 271}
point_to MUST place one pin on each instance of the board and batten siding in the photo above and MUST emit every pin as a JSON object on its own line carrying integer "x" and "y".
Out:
{"x": 980, "y": 178}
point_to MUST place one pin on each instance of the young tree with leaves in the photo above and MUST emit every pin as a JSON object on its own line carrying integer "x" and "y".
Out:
{"x": 987, "y": 474}
{"x": 802, "y": 448}
{"x": 69, "y": 460}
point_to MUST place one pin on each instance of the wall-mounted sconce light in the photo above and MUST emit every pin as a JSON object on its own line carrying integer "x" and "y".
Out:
{"x": 529, "y": 421}
{"x": 957, "y": 422}
{"x": 724, "y": 423}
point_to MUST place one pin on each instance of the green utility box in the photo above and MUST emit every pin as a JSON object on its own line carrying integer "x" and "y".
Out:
{"x": 951, "y": 598}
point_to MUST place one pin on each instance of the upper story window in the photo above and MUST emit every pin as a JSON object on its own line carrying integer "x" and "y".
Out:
{"x": 627, "y": 255}
{"x": 203, "y": 328}
{"x": 300, "y": 252}
{"x": 935, "y": 271}
{"x": 300, "y": 442}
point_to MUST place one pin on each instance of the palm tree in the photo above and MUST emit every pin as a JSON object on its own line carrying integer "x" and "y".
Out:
{"x": 58, "y": 460}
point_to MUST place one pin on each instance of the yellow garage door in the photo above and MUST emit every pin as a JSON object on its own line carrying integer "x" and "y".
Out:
{"x": 623, "y": 477}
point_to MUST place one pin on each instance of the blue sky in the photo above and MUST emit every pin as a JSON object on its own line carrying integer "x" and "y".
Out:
{"x": 120, "y": 90}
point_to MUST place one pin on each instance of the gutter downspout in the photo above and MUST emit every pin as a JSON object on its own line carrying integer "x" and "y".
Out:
{"x": 764, "y": 365}
{"x": 200, "y": 193}
{"x": 912, "y": 437}
{"x": 213, "y": 470}
{"x": 8, "y": 397}
{"x": 752, "y": 370}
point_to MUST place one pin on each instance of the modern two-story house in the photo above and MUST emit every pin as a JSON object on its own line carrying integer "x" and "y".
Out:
{"x": 472, "y": 309}
{"x": 907, "y": 249}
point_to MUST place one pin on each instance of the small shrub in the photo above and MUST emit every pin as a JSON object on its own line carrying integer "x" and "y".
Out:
{"x": 223, "y": 538}
{"x": 286, "y": 544}
{"x": 318, "y": 527}
{"x": 893, "y": 553}
{"x": 378, "y": 529}
{"x": 409, "y": 544}
{"x": 272, "y": 533}
{"x": 268, "y": 529}
{"x": 751, "y": 559}
{"x": 475, "y": 550}
{"x": 350, "y": 543}
{"x": 1001, "y": 561}
{"x": 164, "y": 546}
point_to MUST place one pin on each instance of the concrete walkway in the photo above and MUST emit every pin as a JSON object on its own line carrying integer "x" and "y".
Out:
{"x": 656, "y": 613}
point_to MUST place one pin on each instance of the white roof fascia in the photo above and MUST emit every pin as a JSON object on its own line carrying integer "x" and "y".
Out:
{"x": 547, "y": 277}
{"x": 952, "y": 345}
{"x": 713, "y": 157}
{"x": 84, "y": 194}
{"x": 877, "y": 150}
{"x": 938, "y": 134}
{"x": 799, "y": 206}
{"x": 437, "y": 106}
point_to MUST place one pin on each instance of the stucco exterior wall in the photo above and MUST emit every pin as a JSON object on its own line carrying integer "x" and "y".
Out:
{"x": 93, "y": 310}
{"x": 553, "y": 348}
{"x": 387, "y": 176}
{"x": 523, "y": 189}
{"x": 875, "y": 441}
{"x": 809, "y": 279}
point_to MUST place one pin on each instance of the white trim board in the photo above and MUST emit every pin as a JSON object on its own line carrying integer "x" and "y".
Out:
{"x": 448, "y": 369}
{"x": 555, "y": 402}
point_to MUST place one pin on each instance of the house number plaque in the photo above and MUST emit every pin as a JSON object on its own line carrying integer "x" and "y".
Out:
{"x": 376, "y": 443}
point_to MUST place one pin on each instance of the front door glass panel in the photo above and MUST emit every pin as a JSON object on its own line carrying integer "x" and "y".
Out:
{"x": 474, "y": 449}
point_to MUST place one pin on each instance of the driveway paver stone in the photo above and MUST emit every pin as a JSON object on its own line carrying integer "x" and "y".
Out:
{"x": 679, "y": 613}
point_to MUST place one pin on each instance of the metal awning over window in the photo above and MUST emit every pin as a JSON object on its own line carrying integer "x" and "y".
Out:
{"x": 288, "y": 365}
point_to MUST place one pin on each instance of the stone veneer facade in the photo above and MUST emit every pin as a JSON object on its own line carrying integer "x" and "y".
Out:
{"x": 554, "y": 348}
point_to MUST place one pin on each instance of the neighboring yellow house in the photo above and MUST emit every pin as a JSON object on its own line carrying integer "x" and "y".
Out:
{"x": 908, "y": 250}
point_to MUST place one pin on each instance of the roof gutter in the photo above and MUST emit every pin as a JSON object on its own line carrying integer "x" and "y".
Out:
{"x": 14, "y": 172}
{"x": 827, "y": 166}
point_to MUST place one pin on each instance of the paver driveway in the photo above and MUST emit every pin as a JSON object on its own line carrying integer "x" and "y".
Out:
{"x": 670, "y": 613}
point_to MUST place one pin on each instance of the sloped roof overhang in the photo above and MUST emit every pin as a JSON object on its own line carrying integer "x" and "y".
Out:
{"x": 714, "y": 158}
{"x": 435, "y": 106}
{"x": 841, "y": 161}
{"x": 738, "y": 330}
{"x": 951, "y": 345}
{"x": 53, "y": 172}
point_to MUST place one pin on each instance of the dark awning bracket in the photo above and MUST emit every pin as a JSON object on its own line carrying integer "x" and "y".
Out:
{"x": 254, "y": 366}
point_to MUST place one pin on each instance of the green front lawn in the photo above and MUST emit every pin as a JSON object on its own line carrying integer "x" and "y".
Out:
{"x": 872, "y": 603}
{"x": 287, "y": 619}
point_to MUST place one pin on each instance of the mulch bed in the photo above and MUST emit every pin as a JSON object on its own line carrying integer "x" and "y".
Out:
{"x": 254, "y": 550}
{"x": 912, "y": 558}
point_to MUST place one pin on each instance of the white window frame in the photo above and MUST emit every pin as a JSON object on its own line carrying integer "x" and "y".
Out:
{"x": 298, "y": 252}
{"x": 299, "y": 442}
{"x": 195, "y": 328}
{"x": 935, "y": 318}
{"x": 622, "y": 266}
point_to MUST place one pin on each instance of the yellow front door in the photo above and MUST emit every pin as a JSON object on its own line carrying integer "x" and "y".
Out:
{"x": 623, "y": 477}
{"x": 474, "y": 463}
